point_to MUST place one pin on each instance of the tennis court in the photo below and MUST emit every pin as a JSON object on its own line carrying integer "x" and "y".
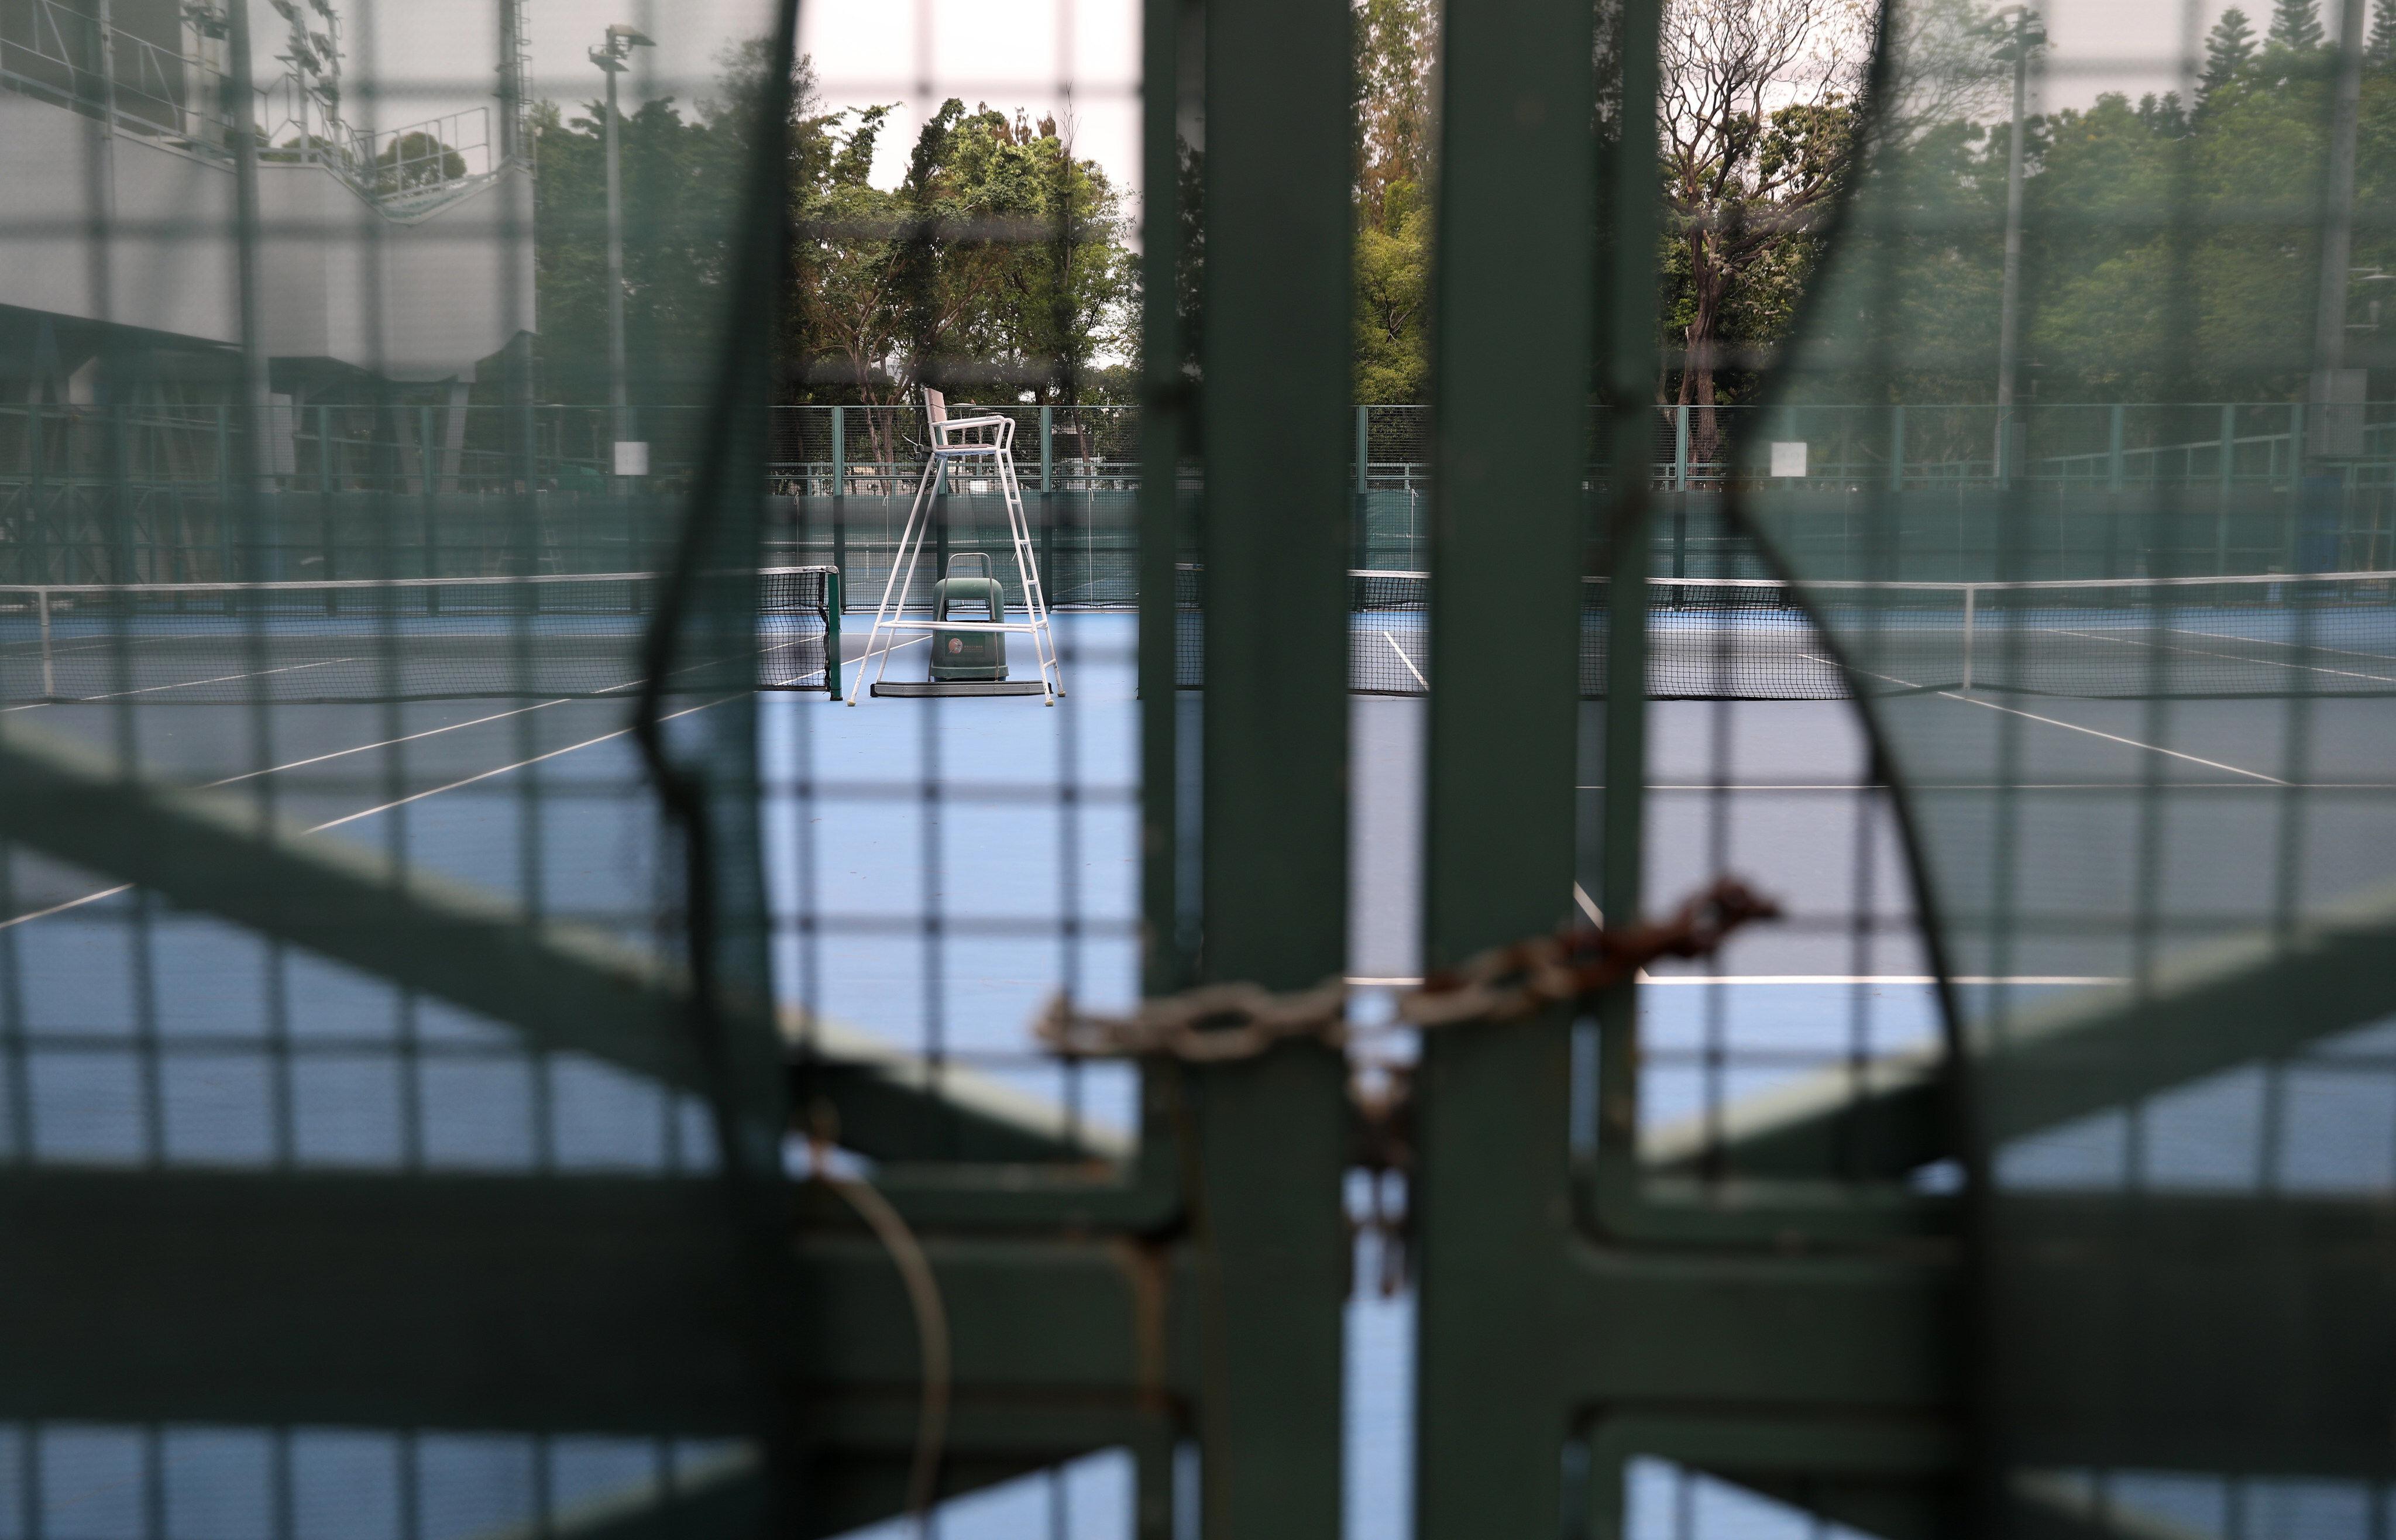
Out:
{"x": 937, "y": 866}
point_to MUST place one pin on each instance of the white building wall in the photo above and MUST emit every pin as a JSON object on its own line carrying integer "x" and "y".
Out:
{"x": 127, "y": 229}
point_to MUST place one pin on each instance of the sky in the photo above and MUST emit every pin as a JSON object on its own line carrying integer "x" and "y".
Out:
{"x": 1077, "y": 59}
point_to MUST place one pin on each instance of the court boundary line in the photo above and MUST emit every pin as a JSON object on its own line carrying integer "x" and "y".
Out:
{"x": 2112, "y": 738}
{"x": 1687, "y": 980}
{"x": 2132, "y": 641}
{"x": 353, "y": 817}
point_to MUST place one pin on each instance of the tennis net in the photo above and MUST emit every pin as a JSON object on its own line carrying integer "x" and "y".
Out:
{"x": 1752, "y": 639}
{"x": 364, "y": 640}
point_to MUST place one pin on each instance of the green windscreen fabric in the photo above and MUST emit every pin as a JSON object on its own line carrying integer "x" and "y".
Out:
{"x": 2123, "y": 638}
{"x": 389, "y": 1098}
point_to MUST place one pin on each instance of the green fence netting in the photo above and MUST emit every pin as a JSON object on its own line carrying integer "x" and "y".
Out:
{"x": 2151, "y": 816}
{"x": 389, "y": 1091}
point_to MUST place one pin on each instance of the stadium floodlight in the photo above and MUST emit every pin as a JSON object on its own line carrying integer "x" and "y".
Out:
{"x": 612, "y": 56}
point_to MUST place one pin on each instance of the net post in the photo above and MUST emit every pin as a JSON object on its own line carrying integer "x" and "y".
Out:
{"x": 1047, "y": 458}
{"x": 831, "y": 633}
{"x": 49, "y": 678}
{"x": 1971, "y": 592}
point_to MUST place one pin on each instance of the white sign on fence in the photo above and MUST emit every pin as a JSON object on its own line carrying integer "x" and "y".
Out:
{"x": 632, "y": 458}
{"x": 1789, "y": 459}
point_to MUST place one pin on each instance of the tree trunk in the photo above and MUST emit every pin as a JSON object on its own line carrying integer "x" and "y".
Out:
{"x": 1707, "y": 281}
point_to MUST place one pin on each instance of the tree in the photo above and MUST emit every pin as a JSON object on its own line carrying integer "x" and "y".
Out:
{"x": 1396, "y": 41}
{"x": 416, "y": 159}
{"x": 2380, "y": 48}
{"x": 2296, "y": 26}
{"x": 2228, "y": 48}
{"x": 1757, "y": 125}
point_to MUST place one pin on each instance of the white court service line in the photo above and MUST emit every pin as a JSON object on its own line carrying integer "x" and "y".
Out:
{"x": 1701, "y": 979}
{"x": 2073, "y": 726}
{"x": 185, "y": 684}
{"x": 387, "y": 743}
{"x": 319, "y": 829}
{"x": 419, "y": 796}
{"x": 1405, "y": 659}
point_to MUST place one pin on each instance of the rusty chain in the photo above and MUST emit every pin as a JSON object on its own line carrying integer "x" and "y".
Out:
{"x": 1218, "y": 1022}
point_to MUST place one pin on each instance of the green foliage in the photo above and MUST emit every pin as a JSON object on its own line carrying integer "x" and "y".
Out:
{"x": 681, "y": 178}
{"x": 2296, "y": 26}
{"x": 999, "y": 256}
{"x": 416, "y": 159}
{"x": 2228, "y": 48}
{"x": 1396, "y": 41}
{"x": 1392, "y": 263}
{"x": 2168, "y": 254}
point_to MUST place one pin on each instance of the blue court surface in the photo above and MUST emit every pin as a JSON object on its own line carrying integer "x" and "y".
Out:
{"x": 937, "y": 867}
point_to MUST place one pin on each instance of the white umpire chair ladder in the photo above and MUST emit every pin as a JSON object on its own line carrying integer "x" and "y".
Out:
{"x": 956, "y": 442}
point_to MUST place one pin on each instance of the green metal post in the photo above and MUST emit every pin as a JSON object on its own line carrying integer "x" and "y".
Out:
{"x": 325, "y": 505}
{"x": 1363, "y": 534}
{"x": 2221, "y": 508}
{"x": 1162, "y": 964}
{"x": 40, "y": 525}
{"x": 1273, "y": 1129}
{"x": 1047, "y": 450}
{"x": 2114, "y": 449}
{"x": 1491, "y": 1188}
{"x": 120, "y": 492}
{"x": 831, "y": 636}
{"x": 1363, "y": 449}
{"x": 840, "y": 489}
{"x": 1626, "y": 370}
{"x": 1896, "y": 449}
{"x": 426, "y": 487}
{"x": 224, "y": 494}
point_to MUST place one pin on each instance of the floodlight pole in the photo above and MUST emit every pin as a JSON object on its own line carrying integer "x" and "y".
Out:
{"x": 2338, "y": 232}
{"x": 2022, "y": 35}
{"x": 610, "y": 57}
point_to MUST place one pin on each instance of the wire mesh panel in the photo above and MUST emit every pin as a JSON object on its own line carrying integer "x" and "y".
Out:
{"x": 390, "y": 1097}
{"x": 2150, "y": 817}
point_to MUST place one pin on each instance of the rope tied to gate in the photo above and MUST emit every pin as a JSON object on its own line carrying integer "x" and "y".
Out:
{"x": 1218, "y": 1022}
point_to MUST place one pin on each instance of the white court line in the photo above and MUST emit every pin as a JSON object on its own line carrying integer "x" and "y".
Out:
{"x": 1405, "y": 659}
{"x": 185, "y": 684}
{"x": 1688, "y": 979}
{"x": 503, "y": 769}
{"x": 2207, "y": 652}
{"x": 2113, "y": 737}
{"x": 72, "y": 903}
{"x": 1877, "y": 978}
{"x": 387, "y": 743}
{"x": 2274, "y": 642}
{"x": 2073, "y": 726}
{"x": 127, "y": 887}
{"x": 2016, "y": 785}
